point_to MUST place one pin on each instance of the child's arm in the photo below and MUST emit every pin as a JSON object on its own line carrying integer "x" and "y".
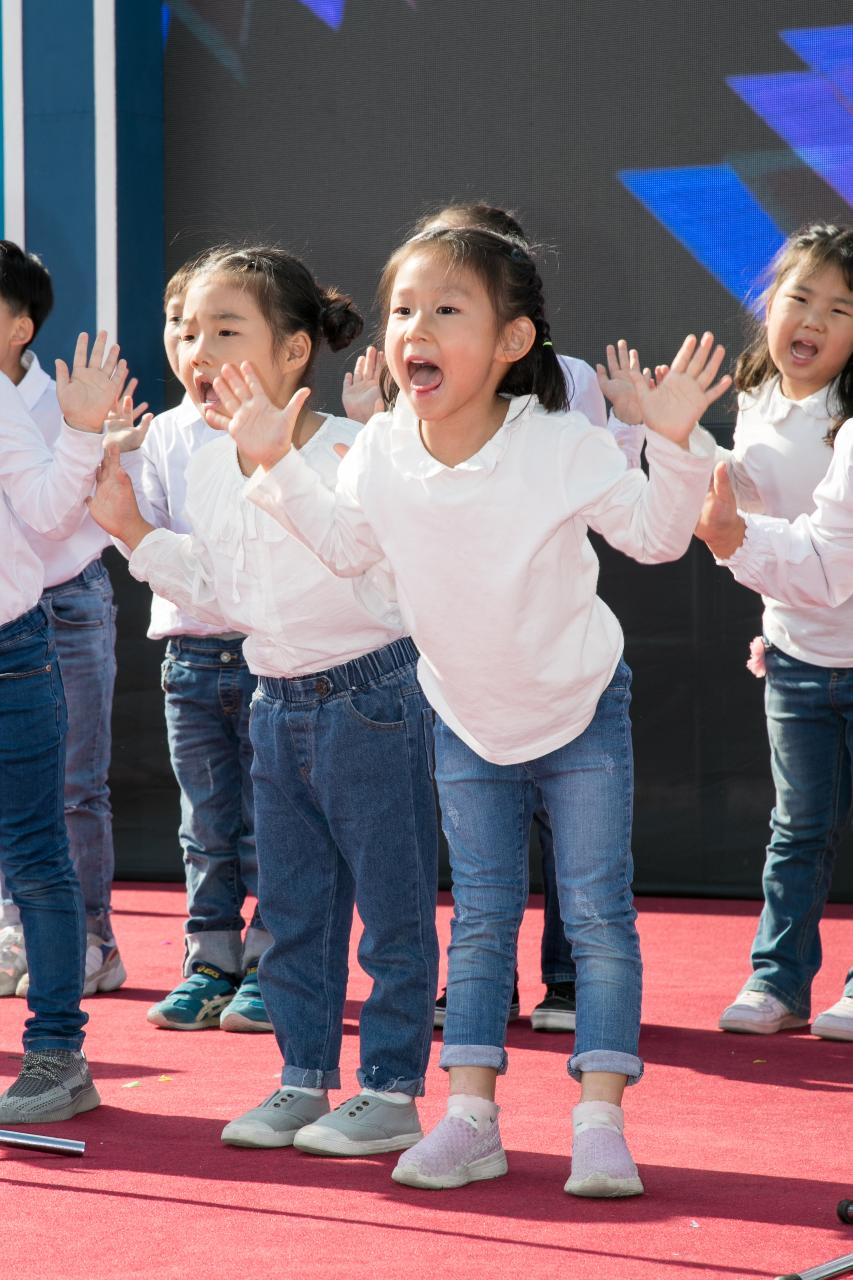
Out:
{"x": 47, "y": 490}
{"x": 809, "y": 561}
{"x": 361, "y": 395}
{"x": 331, "y": 524}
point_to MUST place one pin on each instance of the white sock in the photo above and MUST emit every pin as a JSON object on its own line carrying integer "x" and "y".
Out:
{"x": 388, "y": 1095}
{"x": 480, "y": 1113}
{"x": 598, "y": 1115}
{"x": 310, "y": 1093}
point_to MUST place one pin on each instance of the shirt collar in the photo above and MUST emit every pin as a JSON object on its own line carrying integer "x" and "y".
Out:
{"x": 35, "y": 381}
{"x": 411, "y": 457}
{"x": 187, "y": 412}
{"x": 776, "y": 407}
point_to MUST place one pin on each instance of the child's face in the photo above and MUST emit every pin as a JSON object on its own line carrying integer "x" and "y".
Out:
{"x": 810, "y": 329}
{"x": 443, "y": 340}
{"x": 223, "y": 324}
{"x": 172, "y": 331}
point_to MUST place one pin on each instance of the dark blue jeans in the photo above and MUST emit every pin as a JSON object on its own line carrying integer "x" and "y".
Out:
{"x": 209, "y": 689}
{"x": 557, "y": 962}
{"x": 33, "y": 842}
{"x": 810, "y": 727}
{"x": 345, "y": 815}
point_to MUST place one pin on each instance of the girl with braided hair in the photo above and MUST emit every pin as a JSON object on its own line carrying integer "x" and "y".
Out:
{"x": 479, "y": 489}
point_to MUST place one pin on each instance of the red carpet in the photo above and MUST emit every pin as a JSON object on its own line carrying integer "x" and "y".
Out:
{"x": 744, "y": 1142}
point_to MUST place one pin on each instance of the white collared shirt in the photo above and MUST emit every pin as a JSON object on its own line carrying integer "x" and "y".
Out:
{"x": 495, "y": 575}
{"x": 173, "y": 439}
{"x": 779, "y": 456}
{"x": 66, "y": 558}
{"x": 238, "y": 569}
{"x": 44, "y": 488}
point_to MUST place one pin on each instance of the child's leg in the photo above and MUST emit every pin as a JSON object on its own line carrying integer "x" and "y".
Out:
{"x": 808, "y": 726}
{"x": 54, "y": 1083}
{"x": 486, "y": 811}
{"x": 84, "y": 627}
{"x": 588, "y": 790}
{"x": 257, "y": 938}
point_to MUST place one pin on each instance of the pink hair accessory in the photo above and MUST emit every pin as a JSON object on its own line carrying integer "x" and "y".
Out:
{"x": 756, "y": 662}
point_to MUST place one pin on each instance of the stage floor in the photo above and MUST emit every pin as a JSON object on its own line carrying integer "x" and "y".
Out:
{"x": 744, "y": 1142}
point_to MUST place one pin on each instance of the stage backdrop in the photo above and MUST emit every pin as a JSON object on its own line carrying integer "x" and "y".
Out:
{"x": 660, "y": 153}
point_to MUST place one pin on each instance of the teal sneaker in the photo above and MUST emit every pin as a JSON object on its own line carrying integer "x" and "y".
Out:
{"x": 195, "y": 1003}
{"x": 246, "y": 1011}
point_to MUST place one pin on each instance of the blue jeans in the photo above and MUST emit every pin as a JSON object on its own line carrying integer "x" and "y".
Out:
{"x": 587, "y": 788}
{"x": 810, "y": 727}
{"x": 209, "y": 689}
{"x": 83, "y": 619}
{"x": 345, "y": 816}
{"x": 33, "y": 842}
{"x": 556, "y": 952}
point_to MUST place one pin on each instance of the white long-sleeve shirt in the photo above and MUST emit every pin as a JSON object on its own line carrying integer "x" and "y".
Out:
{"x": 66, "y": 557}
{"x": 808, "y": 561}
{"x": 238, "y": 569}
{"x": 44, "y": 488}
{"x": 495, "y": 576}
{"x": 779, "y": 456}
{"x": 173, "y": 439}
{"x": 585, "y": 396}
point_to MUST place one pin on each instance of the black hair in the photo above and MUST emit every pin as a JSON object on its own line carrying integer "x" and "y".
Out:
{"x": 474, "y": 214}
{"x": 506, "y": 266}
{"x": 818, "y": 245}
{"x": 25, "y": 284}
{"x": 290, "y": 299}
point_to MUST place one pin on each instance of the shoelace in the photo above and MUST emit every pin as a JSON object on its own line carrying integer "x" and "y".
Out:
{"x": 49, "y": 1066}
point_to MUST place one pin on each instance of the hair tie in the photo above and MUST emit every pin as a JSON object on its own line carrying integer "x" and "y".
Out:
{"x": 547, "y": 343}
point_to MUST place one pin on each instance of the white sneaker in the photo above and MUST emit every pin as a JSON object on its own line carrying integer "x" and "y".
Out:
{"x": 758, "y": 1013}
{"x": 835, "y": 1023}
{"x": 104, "y": 969}
{"x": 13, "y": 958}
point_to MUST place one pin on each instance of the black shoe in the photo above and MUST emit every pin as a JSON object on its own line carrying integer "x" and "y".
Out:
{"x": 441, "y": 1008}
{"x": 557, "y": 1011}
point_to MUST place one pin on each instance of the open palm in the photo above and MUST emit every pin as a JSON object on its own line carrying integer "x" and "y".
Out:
{"x": 674, "y": 406}
{"x": 90, "y": 391}
{"x": 262, "y": 431}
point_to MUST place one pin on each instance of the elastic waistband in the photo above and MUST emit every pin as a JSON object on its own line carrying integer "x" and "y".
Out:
{"x": 355, "y": 674}
{"x": 35, "y": 619}
{"x": 221, "y": 647}
{"x": 93, "y": 571}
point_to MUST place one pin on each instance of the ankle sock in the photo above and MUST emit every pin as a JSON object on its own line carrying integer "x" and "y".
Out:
{"x": 388, "y": 1095}
{"x": 309, "y": 1093}
{"x": 480, "y": 1113}
{"x": 598, "y": 1115}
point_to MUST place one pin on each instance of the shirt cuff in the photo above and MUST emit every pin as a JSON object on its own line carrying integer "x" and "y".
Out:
{"x": 80, "y": 440}
{"x": 701, "y": 447}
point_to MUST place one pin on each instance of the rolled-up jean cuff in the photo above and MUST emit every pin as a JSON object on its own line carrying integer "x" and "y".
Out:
{"x": 557, "y": 976}
{"x": 621, "y": 1064}
{"x": 391, "y": 1084}
{"x": 474, "y": 1055}
{"x": 308, "y": 1078}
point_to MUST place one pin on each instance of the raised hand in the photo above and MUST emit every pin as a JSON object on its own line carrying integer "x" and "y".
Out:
{"x": 113, "y": 505}
{"x": 616, "y": 382}
{"x": 121, "y": 426}
{"x": 263, "y": 433}
{"x": 91, "y": 390}
{"x": 673, "y": 405}
{"x": 361, "y": 395}
{"x": 719, "y": 525}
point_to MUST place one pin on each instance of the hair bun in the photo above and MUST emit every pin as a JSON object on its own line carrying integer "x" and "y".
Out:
{"x": 340, "y": 321}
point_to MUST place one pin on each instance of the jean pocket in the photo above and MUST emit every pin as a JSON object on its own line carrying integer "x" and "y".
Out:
{"x": 78, "y": 610}
{"x": 373, "y": 708}
{"x": 165, "y": 669}
{"x": 27, "y": 675}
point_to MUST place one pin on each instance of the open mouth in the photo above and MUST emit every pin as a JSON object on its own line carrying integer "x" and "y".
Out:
{"x": 424, "y": 376}
{"x": 802, "y": 350}
{"x": 206, "y": 394}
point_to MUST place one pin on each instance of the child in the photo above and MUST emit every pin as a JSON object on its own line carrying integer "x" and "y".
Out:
{"x": 481, "y": 497}
{"x": 344, "y": 806}
{"x": 78, "y": 596}
{"x": 47, "y": 490}
{"x": 208, "y": 688}
{"x": 556, "y": 1011}
{"x": 796, "y": 385}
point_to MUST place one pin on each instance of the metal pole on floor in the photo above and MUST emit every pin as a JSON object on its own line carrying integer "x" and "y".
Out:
{"x": 827, "y": 1270}
{"x": 41, "y": 1142}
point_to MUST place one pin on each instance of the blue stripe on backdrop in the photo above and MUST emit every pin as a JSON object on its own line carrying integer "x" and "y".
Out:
{"x": 59, "y": 124}
{"x": 139, "y": 145}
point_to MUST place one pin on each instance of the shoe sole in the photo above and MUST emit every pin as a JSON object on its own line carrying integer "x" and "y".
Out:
{"x": 158, "y": 1020}
{"x": 239, "y": 1022}
{"x": 258, "y": 1137}
{"x": 788, "y": 1023}
{"x": 826, "y": 1031}
{"x": 493, "y": 1166}
{"x": 326, "y": 1142}
{"x": 85, "y": 1101}
{"x": 111, "y": 980}
{"x": 600, "y": 1186}
{"x": 550, "y": 1020}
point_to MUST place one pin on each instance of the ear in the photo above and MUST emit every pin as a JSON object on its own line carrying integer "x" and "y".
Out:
{"x": 516, "y": 339}
{"x": 297, "y": 349}
{"x": 23, "y": 330}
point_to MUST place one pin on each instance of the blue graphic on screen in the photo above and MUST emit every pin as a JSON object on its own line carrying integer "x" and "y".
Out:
{"x": 711, "y": 210}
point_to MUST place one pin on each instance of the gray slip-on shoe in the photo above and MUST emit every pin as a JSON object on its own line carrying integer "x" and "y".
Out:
{"x": 277, "y": 1120}
{"x": 362, "y": 1126}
